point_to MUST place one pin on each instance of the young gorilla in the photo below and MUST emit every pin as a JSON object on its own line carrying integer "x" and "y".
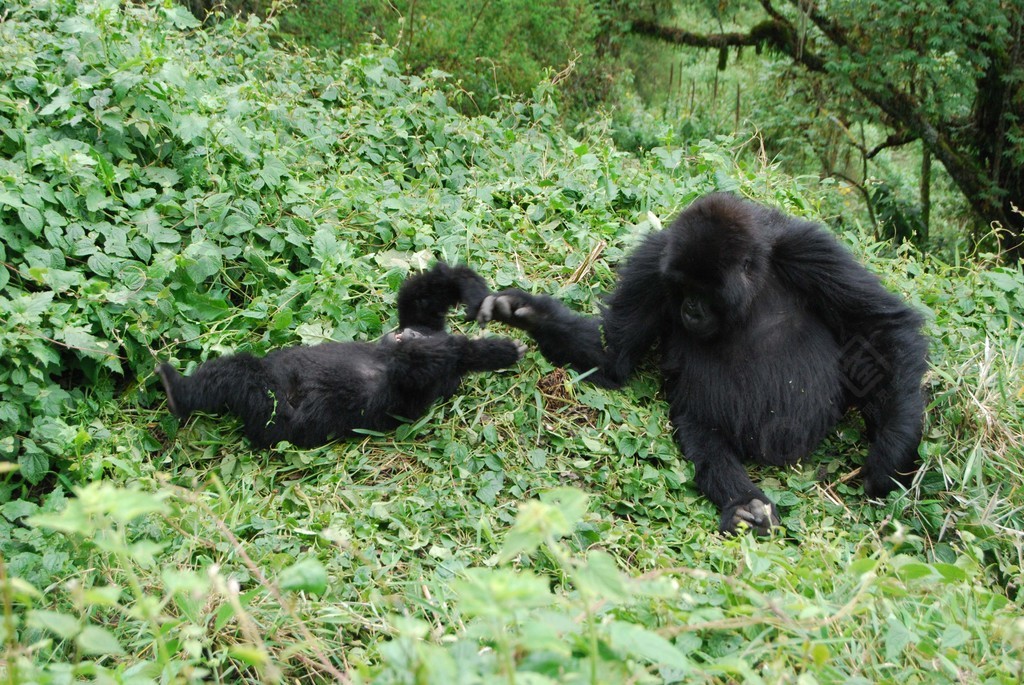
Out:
{"x": 768, "y": 331}
{"x": 311, "y": 395}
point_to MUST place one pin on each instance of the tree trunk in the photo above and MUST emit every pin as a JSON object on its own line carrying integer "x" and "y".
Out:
{"x": 976, "y": 160}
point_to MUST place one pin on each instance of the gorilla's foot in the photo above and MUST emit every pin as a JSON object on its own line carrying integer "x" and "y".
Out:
{"x": 169, "y": 377}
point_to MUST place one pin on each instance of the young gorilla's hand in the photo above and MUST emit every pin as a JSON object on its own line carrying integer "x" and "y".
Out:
{"x": 507, "y": 350}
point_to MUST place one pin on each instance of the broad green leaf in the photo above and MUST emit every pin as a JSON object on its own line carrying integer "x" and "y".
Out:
{"x": 102, "y": 595}
{"x": 31, "y": 219}
{"x": 492, "y": 483}
{"x": 250, "y": 655}
{"x": 207, "y": 307}
{"x": 84, "y": 342}
{"x": 496, "y": 592}
{"x": 98, "y": 641}
{"x": 951, "y": 573}
{"x": 896, "y": 638}
{"x": 32, "y": 306}
{"x": 637, "y": 642}
{"x": 862, "y": 566}
{"x": 34, "y": 463}
{"x": 600, "y": 578}
{"x": 307, "y": 575}
{"x": 571, "y": 503}
{"x": 914, "y": 570}
{"x": 181, "y": 17}
{"x": 19, "y": 508}
{"x": 64, "y": 626}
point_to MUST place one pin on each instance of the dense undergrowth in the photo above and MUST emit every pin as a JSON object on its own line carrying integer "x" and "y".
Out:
{"x": 173, "y": 192}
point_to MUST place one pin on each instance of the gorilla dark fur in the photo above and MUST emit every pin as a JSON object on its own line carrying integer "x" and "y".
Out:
{"x": 311, "y": 395}
{"x": 768, "y": 330}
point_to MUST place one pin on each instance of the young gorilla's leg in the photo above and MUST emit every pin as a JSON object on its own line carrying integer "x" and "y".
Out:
{"x": 424, "y": 299}
{"x": 238, "y": 384}
{"x": 422, "y": 369}
{"x": 564, "y": 337}
{"x": 420, "y": 360}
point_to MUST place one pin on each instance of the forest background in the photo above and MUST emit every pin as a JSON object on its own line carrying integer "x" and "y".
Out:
{"x": 179, "y": 183}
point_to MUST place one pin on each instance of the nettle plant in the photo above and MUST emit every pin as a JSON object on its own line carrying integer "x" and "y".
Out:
{"x": 164, "y": 188}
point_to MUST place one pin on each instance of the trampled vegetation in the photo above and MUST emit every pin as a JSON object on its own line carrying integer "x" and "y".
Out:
{"x": 175, "y": 192}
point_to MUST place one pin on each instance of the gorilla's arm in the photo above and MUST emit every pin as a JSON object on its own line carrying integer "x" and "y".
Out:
{"x": 637, "y": 309}
{"x": 632, "y": 319}
{"x": 884, "y": 352}
{"x": 841, "y": 291}
{"x": 720, "y": 475}
{"x": 564, "y": 337}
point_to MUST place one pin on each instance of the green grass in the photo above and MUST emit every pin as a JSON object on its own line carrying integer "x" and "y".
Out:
{"x": 225, "y": 195}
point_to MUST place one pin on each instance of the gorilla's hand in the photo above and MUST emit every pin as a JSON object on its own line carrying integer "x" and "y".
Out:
{"x": 759, "y": 514}
{"x": 513, "y": 307}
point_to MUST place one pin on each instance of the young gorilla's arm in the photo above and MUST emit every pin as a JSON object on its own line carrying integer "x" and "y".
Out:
{"x": 631, "y": 321}
{"x": 883, "y": 350}
{"x": 720, "y": 475}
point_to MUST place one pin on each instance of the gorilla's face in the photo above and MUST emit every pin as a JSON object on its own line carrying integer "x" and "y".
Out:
{"x": 714, "y": 267}
{"x": 402, "y": 334}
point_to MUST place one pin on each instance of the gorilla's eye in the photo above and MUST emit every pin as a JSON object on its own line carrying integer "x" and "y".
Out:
{"x": 748, "y": 264}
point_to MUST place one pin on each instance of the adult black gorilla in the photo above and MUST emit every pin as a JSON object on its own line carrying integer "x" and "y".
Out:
{"x": 769, "y": 331}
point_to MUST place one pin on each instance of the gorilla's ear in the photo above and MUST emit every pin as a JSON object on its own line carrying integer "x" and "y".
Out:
{"x": 668, "y": 264}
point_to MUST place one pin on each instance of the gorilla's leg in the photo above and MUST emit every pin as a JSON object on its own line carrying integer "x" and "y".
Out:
{"x": 722, "y": 478}
{"x": 564, "y": 337}
{"x": 238, "y": 383}
{"x": 424, "y": 299}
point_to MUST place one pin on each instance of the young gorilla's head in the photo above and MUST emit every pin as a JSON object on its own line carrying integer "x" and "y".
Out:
{"x": 714, "y": 264}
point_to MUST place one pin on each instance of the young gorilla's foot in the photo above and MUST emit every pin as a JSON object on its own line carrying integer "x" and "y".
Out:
{"x": 758, "y": 514}
{"x": 169, "y": 376}
{"x": 491, "y": 354}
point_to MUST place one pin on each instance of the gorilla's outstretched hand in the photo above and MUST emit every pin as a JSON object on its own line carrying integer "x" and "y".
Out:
{"x": 513, "y": 307}
{"x": 759, "y": 514}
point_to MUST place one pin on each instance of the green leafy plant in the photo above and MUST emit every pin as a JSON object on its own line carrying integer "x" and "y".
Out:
{"x": 176, "y": 191}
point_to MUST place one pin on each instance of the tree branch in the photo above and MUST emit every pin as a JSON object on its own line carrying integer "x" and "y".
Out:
{"x": 671, "y": 34}
{"x": 776, "y": 34}
{"x": 902, "y": 110}
{"x": 894, "y": 140}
